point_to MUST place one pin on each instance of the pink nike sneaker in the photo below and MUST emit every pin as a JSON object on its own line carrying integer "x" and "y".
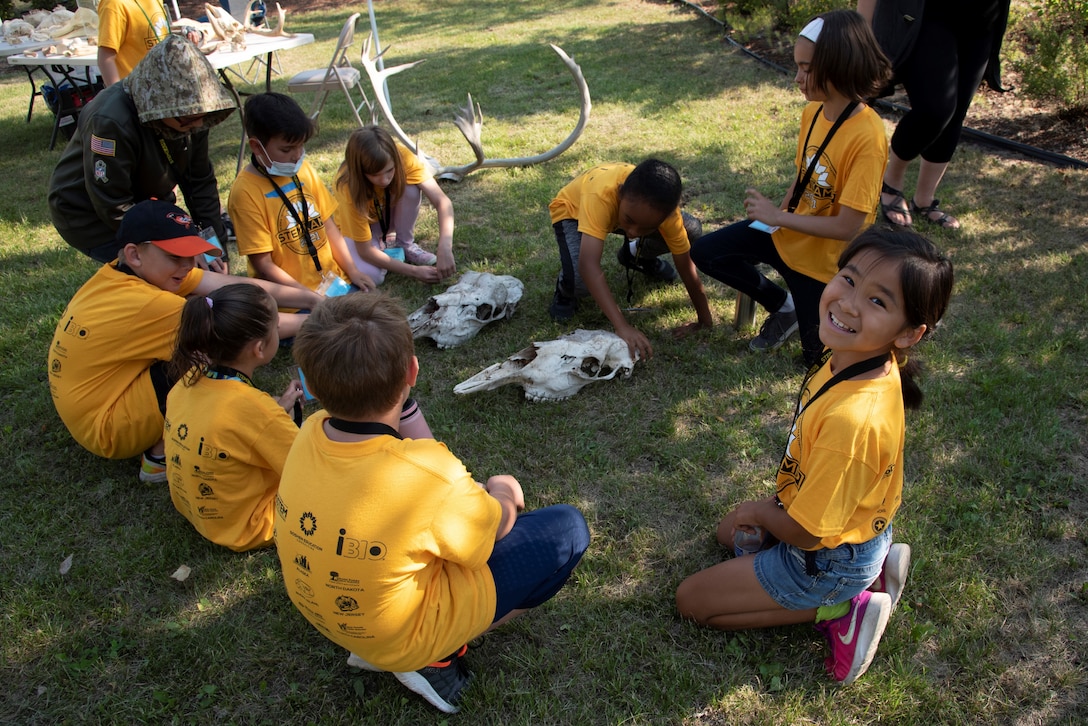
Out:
{"x": 853, "y": 638}
{"x": 893, "y": 575}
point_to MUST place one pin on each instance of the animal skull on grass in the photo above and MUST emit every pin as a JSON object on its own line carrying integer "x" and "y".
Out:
{"x": 555, "y": 370}
{"x": 456, "y": 315}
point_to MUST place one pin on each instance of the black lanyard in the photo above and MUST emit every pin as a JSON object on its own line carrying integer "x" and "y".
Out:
{"x": 363, "y": 427}
{"x": 384, "y": 211}
{"x": 226, "y": 373}
{"x": 802, "y": 181}
{"x": 304, "y": 221}
{"x": 856, "y": 369}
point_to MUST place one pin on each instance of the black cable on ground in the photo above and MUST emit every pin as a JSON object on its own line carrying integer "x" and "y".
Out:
{"x": 999, "y": 142}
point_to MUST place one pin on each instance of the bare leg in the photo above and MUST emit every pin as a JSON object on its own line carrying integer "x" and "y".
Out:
{"x": 505, "y": 619}
{"x": 930, "y": 174}
{"x": 895, "y": 176}
{"x": 728, "y": 596}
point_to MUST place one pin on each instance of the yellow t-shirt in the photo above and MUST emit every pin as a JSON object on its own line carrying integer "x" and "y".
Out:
{"x": 848, "y": 174}
{"x": 226, "y": 442}
{"x": 353, "y": 223}
{"x": 113, "y": 329}
{"x": 841, "y": 477}
{"x": 593, "y": 199}
{"x": 263, "y": 223}
{"x": 131, "y": 27}
{"x": 384, "y": 545}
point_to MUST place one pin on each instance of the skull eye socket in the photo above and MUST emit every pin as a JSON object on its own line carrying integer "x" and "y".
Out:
{"x": 484, "y": 311}
{"x": 592, "y": 367}
{"x": 430, "y": 307}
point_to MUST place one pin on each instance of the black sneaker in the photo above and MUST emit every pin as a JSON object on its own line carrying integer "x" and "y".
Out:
{"x": 441, "y": 683}
{"x": 654, "y": 267}
{"x": 776, "y": 330}
{"x": 563, "y": 307}
{"x": 229, "y": 227}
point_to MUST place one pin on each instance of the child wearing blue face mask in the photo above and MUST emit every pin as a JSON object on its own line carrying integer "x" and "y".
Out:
{"x": 281, "y": 210}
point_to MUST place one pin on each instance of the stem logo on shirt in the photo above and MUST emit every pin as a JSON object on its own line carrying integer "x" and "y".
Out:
{"x": 290, "y": 234}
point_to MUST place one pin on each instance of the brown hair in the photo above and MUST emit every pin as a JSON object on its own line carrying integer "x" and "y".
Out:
{"x": 926, "y": 278}
{"x": 848, "y": 57}
{"x": 369, "y": 151}
{"x": 355, "y": 351}
{"x": 215, "y": 328}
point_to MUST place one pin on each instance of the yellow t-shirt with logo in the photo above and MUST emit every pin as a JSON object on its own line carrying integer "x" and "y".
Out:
{"x": 353, "y": 223}
{"x": 263, "y": 223}
{"x": 113, "y": 329}
{"x": 226, "y": 442}
{"x": 131, "y": 27}
{"x": 848, "y": 174}
{"x": 594, "y": 200}
{"x": 841, "y": 477}
{"x": 384, "y": 545}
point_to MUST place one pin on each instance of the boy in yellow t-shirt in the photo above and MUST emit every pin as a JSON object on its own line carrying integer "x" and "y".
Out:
{"x": 388, "y": 545}
{"x": 641, "y": 203}
{"x": 107, "y": 359}
{"x": 281, "y": 211}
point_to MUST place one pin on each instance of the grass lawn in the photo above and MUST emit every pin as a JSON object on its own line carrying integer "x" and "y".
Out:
{"x": 993, "y": 626}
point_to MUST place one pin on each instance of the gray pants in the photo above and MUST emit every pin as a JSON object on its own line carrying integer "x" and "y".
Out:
{"x": 569, "y": 240}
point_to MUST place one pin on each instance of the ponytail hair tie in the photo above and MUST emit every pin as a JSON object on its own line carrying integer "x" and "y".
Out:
{"x": 209, "y": 301}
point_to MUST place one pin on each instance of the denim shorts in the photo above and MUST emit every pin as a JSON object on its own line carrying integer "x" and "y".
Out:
{"x": 841, "y": 573}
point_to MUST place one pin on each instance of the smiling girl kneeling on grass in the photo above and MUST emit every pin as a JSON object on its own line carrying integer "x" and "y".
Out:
{"x": 828, "y": 556}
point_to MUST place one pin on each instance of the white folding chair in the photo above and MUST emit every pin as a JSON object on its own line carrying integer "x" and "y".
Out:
{"x": 339, "y": 74}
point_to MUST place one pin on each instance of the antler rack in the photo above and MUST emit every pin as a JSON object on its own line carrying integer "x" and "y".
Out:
{"x": 469, "y": 119}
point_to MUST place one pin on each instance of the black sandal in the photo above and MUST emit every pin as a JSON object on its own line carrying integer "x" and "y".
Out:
{"x": 944, "y": 220}
{"x": 898, "y": 206}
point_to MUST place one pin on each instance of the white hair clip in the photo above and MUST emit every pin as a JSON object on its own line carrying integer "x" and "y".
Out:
{"x": 812, "y": 30}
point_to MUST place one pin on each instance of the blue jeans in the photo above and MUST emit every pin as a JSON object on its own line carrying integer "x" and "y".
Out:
{"x": 532, "y": 563}
{"x": 730, "y": 256}
{"x": 841, "y": 572}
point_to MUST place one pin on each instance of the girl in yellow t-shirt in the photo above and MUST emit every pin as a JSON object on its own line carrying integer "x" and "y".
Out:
{"x": 378, "y": 191}
{"x": 827, "y": 530}
{"x": 840, "y": 156}
{"x": 226, "y": 440}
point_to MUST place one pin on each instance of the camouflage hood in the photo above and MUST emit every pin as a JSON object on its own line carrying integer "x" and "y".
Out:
{"x": 175, "y": 79}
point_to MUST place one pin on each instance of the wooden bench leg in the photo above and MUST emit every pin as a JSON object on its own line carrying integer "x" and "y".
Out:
{"x": 744, "y": 315}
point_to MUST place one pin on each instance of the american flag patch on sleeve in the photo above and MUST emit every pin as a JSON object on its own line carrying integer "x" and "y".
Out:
{"x": 105, "y": 147}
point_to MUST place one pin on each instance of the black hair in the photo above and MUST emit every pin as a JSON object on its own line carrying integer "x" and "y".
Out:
{"x": 655, "y": 183}
{"x": 215, "y": 328}
{"x": 269, "y": 115}
{"x": 925, "y": 278}
{"x": 848, "y": 57}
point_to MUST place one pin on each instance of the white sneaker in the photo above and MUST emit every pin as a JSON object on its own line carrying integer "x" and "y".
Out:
{"x": 356, "y": 662}
{"x": 893, "y": 575}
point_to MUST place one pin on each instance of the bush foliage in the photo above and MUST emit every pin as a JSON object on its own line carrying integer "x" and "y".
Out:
{"x": 1046, "y": 41}
{"x": 1053, "y": 61}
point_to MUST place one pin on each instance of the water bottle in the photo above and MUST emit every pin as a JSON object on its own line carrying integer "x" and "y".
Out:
{"x": 748, "y": 542}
